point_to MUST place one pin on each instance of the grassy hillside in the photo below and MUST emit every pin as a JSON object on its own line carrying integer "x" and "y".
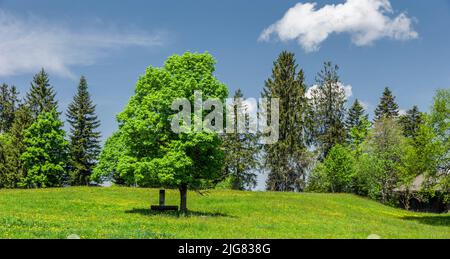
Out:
{"x": 123, "y": 213}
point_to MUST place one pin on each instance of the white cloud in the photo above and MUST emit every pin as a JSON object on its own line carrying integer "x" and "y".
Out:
{"x": 348, "y": 90}
{"x": 30, "y": 43}
{"x": 252, "y": 106}
{"x": 365, "y": 20}
{"x": 365, "y": 105}
{"x": 402, "y": 112}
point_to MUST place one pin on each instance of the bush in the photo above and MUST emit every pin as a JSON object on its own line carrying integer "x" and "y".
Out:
{"x": 336, "y": 174}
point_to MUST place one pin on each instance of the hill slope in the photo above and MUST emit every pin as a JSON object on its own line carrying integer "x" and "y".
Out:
{"x": 122, "y": 213}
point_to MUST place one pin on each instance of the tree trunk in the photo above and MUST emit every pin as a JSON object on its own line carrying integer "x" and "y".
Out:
{"x": 183, "y": 198}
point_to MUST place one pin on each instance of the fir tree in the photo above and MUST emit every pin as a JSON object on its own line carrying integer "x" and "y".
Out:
{"x": 357, "y": 124}
{"x": 41, "y": 97}
{"x": 328, "y": 107}
{"x": 411, "y": 122}
{"x": 287, "y": 160}
{"x": 22, "y": 121}
{"x": 355, "y": 115}
{"x": 8, "y": 105}
{"x": 387, "y": 108}
{"x": 84, "y": 139}
{"x": 241, "y": 149}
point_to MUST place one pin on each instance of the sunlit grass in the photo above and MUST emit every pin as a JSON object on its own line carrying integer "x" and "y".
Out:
{"x": 124, "y": 213}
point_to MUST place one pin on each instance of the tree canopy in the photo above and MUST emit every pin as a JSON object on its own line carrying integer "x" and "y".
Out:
{"x": 45, "y": 156}
{"x": 158, "y": 156}
{"x": 41, "y": 97}
{"x": 388, "y": 107}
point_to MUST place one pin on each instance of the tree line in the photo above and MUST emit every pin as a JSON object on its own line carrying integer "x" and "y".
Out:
{"x": 35, "y": 151}
{"x": 325, "y": 144}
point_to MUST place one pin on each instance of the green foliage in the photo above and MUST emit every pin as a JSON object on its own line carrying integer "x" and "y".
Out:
{"x": 22, "y": 120}
{"x": 41, "y": 97}
{"x": 388, "y": 158}
{"x": 318, "y": 180}
{"x": 241, "y": 150}
{"x": 411, "y": 122}
{"x": 9, "y": 174}
{"x": 45, "y": 156}
{"x": 427, "y": 150}
{"x": 107, "y": 167}
{"x": 8, "y": 105}
{"x": 421, "y": 159}
{"x": 84, "y": 140}
{"x": 440, "y": 122}
{"x": 357, "y": 125}
{"x": 358, "y": 134}
{"x": 227, "y": 184}
{"x": 328, "y": 103}
{"x": 388, "y": 108}
{"x": 381, "y": 164}
{"x": 336, "y": 174}
{"x": 356, "y": 115}
{"x": 10, "y": 146}
{"x": 157, "y": 156}
{"x": 287, "y": 160}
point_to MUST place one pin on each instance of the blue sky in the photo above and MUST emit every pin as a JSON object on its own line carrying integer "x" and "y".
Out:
{"x": 111, "y": 42}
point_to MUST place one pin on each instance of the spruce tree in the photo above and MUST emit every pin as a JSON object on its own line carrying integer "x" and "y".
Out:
{"x": 288, "y": 159}
{"x": 8, "y": 105}
{"x": 355, "y": 115}
{"x": 241, "y": 149}
{"x": 328, "y": 108}
{"x": 357, "y": 125}
{"x": 22, "y": 121}
{"x": 41, "y": 97}
{"x": 84, "y": 139}
{"x": 8, "y": 170}
{"x": 387, "y": 108}
{"x": 411, "y": 122}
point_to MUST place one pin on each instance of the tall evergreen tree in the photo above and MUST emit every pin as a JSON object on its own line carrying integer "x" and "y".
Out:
{"x": 356, "y": 113}
{"x": 84, "y": 139}
{"x": 8, "y": 170}
{"x": 357, "y": 124}
{"x": 41, "y": 97}
{"x": 22, "y": 121}
{"x": 388, "y": 108}
{"x": 241, "y": 149}
{"x": 328, "y": 106}
{"x": 9, "y": 102}
{"x": 411, "y": 122}
{"x": 288, "y": 159}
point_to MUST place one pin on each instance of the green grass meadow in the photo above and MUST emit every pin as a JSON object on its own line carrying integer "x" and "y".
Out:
{"x": 124, "y": 213}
